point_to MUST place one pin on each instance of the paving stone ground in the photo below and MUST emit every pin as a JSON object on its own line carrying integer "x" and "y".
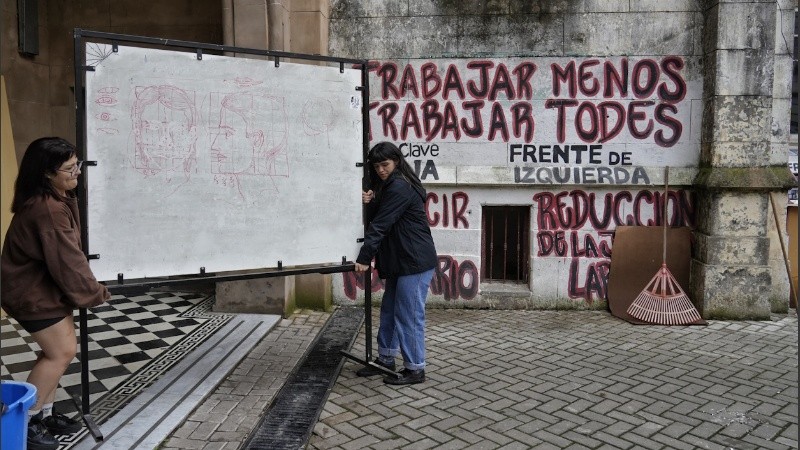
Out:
{"x": 535, "y": 379}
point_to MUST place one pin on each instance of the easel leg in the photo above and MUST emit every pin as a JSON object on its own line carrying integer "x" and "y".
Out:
{"x": 83, "y": 406}
{"x": 368, "y": 329}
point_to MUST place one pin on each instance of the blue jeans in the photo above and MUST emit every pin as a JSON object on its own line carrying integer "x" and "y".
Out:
{"x": 402, "y": 327}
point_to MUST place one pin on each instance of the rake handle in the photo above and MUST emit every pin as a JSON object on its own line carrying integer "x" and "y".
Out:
{"x": 664, "y": 217}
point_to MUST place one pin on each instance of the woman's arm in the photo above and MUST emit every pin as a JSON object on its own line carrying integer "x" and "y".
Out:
{"x": 394, "y": 201}
{"x": 66, "y": 262}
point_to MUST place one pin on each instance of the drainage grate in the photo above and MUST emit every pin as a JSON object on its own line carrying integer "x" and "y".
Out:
{"x": 294, "y": 412}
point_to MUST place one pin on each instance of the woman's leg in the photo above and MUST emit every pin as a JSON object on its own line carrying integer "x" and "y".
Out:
{"x": 59, "y": 345}
{"x": 412, "y": 290}
{"x": 388, "y": 345}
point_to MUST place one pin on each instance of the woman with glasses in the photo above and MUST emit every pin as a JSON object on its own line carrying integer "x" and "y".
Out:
{"x": 45, "y": 275}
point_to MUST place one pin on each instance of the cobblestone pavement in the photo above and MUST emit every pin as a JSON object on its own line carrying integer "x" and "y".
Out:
{"x": 571, "y": 380}
{"x": 534, "y": 379}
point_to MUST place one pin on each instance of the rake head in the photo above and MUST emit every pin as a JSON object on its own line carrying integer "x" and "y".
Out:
{"x": 663, "y": 302}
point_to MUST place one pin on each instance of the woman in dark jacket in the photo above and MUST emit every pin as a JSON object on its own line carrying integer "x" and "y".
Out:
{"x": 399, "y": 238}
{"x": 46, "y": 275}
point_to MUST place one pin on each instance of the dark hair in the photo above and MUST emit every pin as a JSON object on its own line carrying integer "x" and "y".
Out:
{"x": 43, "y": 157}
{"x": 383, "y": 151}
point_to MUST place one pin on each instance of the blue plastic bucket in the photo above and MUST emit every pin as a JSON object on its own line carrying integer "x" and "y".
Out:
{"x": 17, "y": 397}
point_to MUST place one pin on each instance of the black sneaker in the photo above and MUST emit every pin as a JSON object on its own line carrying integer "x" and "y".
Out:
{"x": 406, "y": 376}
{"x": 61, "y": 424}
{"x": 369, "y": 371}
{"x": 38, "y": 436}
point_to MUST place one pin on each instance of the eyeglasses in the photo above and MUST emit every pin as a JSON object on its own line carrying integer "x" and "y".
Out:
{"x": 74, "y": 169}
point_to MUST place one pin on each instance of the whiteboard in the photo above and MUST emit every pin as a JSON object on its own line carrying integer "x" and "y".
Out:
{"x": 222, "y": 163}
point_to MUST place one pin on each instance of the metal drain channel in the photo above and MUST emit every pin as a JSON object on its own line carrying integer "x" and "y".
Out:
{"x": 293, "y": 413}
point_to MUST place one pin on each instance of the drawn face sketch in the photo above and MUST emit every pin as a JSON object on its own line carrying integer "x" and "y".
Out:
{"x": 165, "y": 131}
{"x": 251, "y": 135}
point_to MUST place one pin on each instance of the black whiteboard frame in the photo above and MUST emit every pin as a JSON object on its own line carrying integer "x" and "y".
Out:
{"x": 80, "y": 37}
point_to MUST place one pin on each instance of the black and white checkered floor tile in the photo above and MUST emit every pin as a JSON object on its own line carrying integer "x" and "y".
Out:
{"x": 132, "y": 341}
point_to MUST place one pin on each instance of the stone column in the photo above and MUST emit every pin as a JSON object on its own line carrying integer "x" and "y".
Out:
{"x": 279, "y": 25}
{"x": 309, "y": 34}
{"x": 269, "y": 25}
{"x": 250, "y": 23}
{"x": 731, "y": 277}
{"x": 309, "y": 31}
{"x": 255, "y": 24}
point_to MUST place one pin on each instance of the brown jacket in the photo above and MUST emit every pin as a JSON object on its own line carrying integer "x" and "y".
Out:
{"x": 44, "y": 271}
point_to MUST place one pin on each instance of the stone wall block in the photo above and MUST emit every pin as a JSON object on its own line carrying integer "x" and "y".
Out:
{"x": 343, "y": 9}
{"x": 499, "y": 35}
{"x": 279, "y": 27}
{"x": 782, "y": 71}
{"x": 736, "y": 154}
{"x": 182, "y": 13}
{"x": 779, "y": 152}
{"x": 407, "y": 37}
{"x": 633, "y": 33}
{"x": 737, "y": 118}
{"x": 731, "y": 291}
{"x": 60, "y": 93}
{"x": 318, "y": 6}
{"x": 62, "y": 46}
{"x": 667, "y": 5}
{"x": 458, "y": 7}
{"x": 62, "y": 119}
{"x": 346, "y": 39}
{"x": 742, "y": 72}
{"x": 784, "y": 27}
{"x": 252, "y": 29}
{"x": 26, "y": 129}
{"x": 781, "y": 118}
{"x": 314, "y": 291}
{"x": 8, "y": 37}
{"x": 30, "y": 87}
{"x": 529, "y": 7}
{"x": 710, "y": 32}
{"x": 273, "y": 295}
{"x": 746, "y": 26}
{"x": 307, "y": 36}
{"x": 731, "y": 214}
{"x": 726, "y": 251}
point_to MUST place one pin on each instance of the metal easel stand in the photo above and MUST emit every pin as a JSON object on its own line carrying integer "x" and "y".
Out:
{"x": 367, "y": 361}
{"x": 83, "y": 403}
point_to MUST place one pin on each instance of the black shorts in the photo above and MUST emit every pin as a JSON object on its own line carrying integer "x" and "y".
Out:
{"x": 32, "y": 326}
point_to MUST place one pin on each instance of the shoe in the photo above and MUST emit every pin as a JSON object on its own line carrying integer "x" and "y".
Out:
{"x": 38, "y": 436}
{"x": 406, "y": 376}
{"x": 61, "y": 424}
{"x": 369, "y": 371}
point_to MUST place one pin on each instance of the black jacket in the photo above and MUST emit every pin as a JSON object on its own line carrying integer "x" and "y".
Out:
{"x": 398, "y": 235}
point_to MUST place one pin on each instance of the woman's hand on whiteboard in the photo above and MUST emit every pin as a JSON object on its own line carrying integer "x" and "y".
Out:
{"x": 367, "y": 197}
{"x": 362, "y": 267}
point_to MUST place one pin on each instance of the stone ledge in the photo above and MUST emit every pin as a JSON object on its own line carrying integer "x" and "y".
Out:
{"x": 772, "y": 178}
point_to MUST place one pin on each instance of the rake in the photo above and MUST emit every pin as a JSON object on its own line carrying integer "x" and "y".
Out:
{"x": 662, "y": 301}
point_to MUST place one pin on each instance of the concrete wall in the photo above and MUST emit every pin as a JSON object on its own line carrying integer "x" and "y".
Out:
{"x": 445, "y": 33}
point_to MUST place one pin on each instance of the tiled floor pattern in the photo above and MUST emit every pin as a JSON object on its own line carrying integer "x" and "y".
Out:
{"x": 132, "y": 341}
{"x": 149, "y": 419}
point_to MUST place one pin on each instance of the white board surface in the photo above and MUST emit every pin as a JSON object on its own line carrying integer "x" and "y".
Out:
{"x": 221, "y": 162}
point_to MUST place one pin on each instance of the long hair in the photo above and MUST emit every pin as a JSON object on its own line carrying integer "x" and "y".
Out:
{"x": 383, "y": 151}
{"x": 43, "y": 157}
